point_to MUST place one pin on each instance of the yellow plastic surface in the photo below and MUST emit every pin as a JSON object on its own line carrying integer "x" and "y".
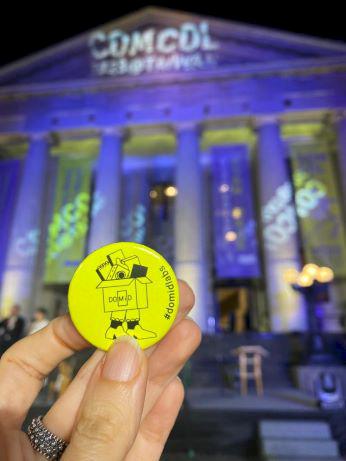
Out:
{"x": 124, "y": 288}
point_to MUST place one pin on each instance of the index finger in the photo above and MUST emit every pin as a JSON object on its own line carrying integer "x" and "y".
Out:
{"x": 24, "y": 366}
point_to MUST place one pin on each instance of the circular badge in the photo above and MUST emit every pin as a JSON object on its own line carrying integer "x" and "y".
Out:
{"x": 121, "y": 289}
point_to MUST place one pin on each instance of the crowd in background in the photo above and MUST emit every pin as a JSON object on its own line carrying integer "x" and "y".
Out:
{"x": 14, "y": 327}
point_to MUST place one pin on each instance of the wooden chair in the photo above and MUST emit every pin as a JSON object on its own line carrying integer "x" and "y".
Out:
{"x": 250, "y": 366}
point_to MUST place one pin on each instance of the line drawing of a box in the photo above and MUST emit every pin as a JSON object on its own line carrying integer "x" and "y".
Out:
{"x": 125, "y": 294}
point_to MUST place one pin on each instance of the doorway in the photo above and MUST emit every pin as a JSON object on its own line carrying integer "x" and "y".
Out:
{"x": 233, "y": 309}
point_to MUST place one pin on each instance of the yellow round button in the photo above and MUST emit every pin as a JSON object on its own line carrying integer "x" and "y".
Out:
{"x": 121, "y": 289}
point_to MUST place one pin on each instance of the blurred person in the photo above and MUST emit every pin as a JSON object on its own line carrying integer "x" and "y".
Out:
{"x": 39, "y": 321}
{"x": 121, "y": 406}
{"x": 11, "y": 328}
{"x": 64, "y": 377}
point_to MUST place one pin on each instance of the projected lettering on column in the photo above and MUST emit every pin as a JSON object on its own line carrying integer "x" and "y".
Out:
{"x": 133, "y": 226}
{"x": 68, "y": 225}
{"x": 318, "y": 207}
{"x": 279, "y": 215}
{"x": 309, "y": 192}
{"x": 184, "y": 48}
{"x": 68, "y": 228}
{"x": 27, "y": 244}
{"x": 98, "y": 203}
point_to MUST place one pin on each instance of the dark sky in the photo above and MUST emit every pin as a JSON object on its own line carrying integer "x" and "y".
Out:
{"x": 25, "y": 29}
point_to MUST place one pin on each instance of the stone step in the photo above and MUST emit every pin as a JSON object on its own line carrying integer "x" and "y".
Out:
{"x": 294, "y": 430}
{"x": 297, "y": 449}
{"x": 280, "y": 458}
{"x": 199, "y": 457}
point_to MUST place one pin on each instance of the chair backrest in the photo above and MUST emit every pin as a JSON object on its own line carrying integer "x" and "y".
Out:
{"x": 250, "y": 350}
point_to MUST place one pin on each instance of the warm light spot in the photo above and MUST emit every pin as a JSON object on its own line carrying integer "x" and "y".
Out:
{"x": 291, "y": 275}
{"x": 231, "y": 236}
{"x": 171, "y": 191}
{"x": 237, "y": 212}
{"x": 311, "y": 269}
{"x": 324, "y": 275}
{"x": 153, "y": 193}
{"x": 304, "y": 280}
{"x": 224, "y": 188}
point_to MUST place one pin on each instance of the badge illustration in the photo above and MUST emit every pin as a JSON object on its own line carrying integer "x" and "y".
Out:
{"x": 122, "y": 289}
{"x": 125, "y": 294}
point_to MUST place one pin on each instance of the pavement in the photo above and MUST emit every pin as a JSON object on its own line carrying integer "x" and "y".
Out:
{"x": 218, "y": 424}
{"x": 278, "y": 400}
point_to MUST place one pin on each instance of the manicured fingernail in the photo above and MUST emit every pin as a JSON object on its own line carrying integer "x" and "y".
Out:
{"x": 122, "y": 361}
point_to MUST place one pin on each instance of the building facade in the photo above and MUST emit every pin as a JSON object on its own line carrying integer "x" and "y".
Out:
{"x": 219, "y": 144}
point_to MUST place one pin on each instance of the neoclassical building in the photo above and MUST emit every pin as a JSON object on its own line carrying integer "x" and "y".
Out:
{"x": 220, "y": 144}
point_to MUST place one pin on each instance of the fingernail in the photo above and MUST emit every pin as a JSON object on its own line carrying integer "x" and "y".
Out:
{"x": 122, "y": 361}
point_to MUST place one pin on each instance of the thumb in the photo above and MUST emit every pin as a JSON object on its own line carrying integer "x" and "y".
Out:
{"x": 111, "y": 411}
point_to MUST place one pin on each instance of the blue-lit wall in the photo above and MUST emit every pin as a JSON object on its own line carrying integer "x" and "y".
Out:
{"x": 231, "y": 222}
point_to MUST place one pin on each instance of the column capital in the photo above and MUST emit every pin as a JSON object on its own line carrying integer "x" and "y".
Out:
{"x": 267, "y": 119}
{"x": 39, "y": 136}
{"x": 117, "y": 130}
{"x": 339, "y": 115}
{"x": 189, "y": 125}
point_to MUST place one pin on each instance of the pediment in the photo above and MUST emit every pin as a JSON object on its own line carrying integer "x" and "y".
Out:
{"x": 161, "y": 41}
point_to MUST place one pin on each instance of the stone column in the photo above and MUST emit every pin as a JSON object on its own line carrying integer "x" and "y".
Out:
{"x": 341, "y": 136}
{"x": 105, "y": 216}
{"x": 19, "y": 273}
{"x": 279, "y": 228}
{"x": 190, "y": 251}
{"x": 333, "y": 309}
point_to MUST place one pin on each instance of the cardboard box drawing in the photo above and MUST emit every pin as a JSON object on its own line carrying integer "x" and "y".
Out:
{"x": 125, "y": 293}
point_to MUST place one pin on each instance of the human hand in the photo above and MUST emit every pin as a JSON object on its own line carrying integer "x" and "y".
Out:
{"x": 121, "y": 406}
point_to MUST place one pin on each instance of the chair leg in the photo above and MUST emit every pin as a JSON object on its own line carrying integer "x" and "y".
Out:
{"x": 243, "y": 379}
{"x": 259, "y": 384}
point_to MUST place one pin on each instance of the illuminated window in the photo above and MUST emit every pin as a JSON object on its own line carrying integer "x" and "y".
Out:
{"x": 153, "y": 194}
{"x": 231, "y": 236}
{"x": 237, "y": 212}
{"x": 224, "y": 188}
{"x": 170, "y": 191}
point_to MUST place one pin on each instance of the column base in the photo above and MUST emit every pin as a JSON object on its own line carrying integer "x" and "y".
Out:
{"x": 287, "y": 307}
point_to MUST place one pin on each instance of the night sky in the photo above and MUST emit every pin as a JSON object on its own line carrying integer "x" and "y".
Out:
{"x": 26, "y": 28}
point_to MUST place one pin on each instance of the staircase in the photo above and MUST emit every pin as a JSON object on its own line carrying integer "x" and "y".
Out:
{"x": 287, "y": 440}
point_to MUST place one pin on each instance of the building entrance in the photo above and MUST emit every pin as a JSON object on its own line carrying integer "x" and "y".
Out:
{"x": 237, "y": 308}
